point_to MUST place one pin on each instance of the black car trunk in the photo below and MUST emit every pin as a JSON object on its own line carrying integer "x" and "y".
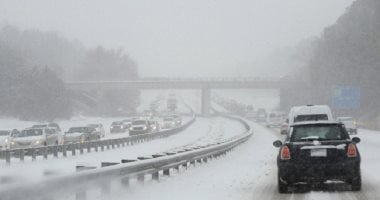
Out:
{"x": 323, "y": 152}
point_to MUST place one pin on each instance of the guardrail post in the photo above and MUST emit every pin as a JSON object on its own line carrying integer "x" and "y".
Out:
{"x": 123, "y": 143}
{"x": 141, "y": 178}
{"x": 108, "y": 144}
{"x": 22, "y": 155}
{"x": 73, "y": 149}
{"x": 80, "y": 148}
{"x": 8, "y": 156}
{"x": 45, "y": 152}
{"x": 192, "y": 163}
{"x": 105, "y": 187}
{"x": 33, "y": 153}
{"x": 156, "y": 176}
{"x": 96, "y": 145}
{"x": 166, "y": 172}
{"x": 88, "y": 144}
{"x": 184, "y": 165}
{"x": 125, "y": 181}
{"x": 102, "y": 146}
{"x": 113, "y": 144}
{"x": 55, "y": 151}
{"x": 64, "y": 150}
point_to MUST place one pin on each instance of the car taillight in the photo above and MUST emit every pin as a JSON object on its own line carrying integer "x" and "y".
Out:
{"x": 285, "y": 153}
{"x": 351, "y": 151}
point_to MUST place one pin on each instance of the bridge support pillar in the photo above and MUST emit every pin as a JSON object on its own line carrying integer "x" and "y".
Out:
{"x": 206, "y": 101}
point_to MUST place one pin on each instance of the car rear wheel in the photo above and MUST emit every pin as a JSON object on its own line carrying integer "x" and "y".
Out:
{"x": 356, "y": 183}
{"x": 282, "y": 187}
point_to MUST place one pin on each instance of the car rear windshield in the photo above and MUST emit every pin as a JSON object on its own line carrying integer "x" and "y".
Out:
{"x": 29, "y": 133}
{"x": 78, "y": 130}
{"x": 319, "y": 117}
{"x": 318, "y": 132}
{"x": 139, "y": 122}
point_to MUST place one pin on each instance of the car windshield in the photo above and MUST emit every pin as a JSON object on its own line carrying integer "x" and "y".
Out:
{"x": 78, "y": 130}
{"x": 139, "y": 122}
{"x": 29, "y": 133}
{"x": 318, "y": 132}
{"x": 93, "y": 125}
{"x": 5, "y": 133}
{"x": 40, "y": 126}
{"x": 117, "y": 123}
{"x": 313, "y": 117}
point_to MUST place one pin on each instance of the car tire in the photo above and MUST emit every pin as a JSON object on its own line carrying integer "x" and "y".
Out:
{"x": 282, "y": 187}
{"x": 356, "y": 183}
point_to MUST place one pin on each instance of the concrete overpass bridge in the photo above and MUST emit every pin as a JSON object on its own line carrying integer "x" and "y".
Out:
{"x": 203, "y": 84}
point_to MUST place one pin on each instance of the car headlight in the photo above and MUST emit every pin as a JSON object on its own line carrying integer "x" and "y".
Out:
{"x": 145, "y": 128}
{"x": 38, "y": 142}
{"x": 173, "y": 123}
{"x": 130, "y": 128}
{"x": 6, "y": 140}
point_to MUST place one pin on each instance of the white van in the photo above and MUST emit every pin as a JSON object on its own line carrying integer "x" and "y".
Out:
{"x": 310, "y": 113}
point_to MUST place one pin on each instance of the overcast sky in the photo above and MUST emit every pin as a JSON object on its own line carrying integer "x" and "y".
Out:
{"x": 180, "y": 37}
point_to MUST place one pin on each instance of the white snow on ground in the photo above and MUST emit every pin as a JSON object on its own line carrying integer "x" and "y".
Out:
{"x": 250, "y": 172}
{"x": 202, "y": 128}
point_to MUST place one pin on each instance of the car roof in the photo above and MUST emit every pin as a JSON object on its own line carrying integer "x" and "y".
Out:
{"x": 315, "y": 122}
{"x": 314, "y": 109}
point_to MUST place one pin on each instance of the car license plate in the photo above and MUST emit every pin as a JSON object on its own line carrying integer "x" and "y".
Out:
{"x": 318, "y": 152}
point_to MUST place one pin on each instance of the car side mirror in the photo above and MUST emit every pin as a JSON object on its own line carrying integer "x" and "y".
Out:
{"x": 356, "y": 140}
{"x": 277, "y": 143}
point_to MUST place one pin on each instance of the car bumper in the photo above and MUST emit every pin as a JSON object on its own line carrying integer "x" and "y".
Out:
{"x": 318, "y": 172}
{"x": 117, "y": 130}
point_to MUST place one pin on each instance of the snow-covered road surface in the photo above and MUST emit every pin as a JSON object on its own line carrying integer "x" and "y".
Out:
{"x": 200, "y": 132}
{"x": 250, "y": 172}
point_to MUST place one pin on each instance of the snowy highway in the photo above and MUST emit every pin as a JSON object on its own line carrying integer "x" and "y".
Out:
{"x": 203, "y": 131}
{"x": 249, "y": 172}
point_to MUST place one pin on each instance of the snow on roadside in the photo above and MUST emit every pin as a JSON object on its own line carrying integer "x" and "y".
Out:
{"x": 34, "y": 171}
{"x": 229, "y": 177}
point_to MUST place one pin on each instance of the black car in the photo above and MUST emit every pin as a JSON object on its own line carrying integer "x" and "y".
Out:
{"x": 315, "y": 152}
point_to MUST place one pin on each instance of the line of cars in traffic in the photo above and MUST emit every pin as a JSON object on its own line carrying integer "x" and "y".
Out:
{"x": 317, "y": 150}
{"x": 148, "y": 124}
{"x": 51, "y": 133}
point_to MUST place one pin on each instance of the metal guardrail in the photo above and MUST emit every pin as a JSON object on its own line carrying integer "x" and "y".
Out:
{"x": 78, "y": 184}
{"x": 95, "y": 145}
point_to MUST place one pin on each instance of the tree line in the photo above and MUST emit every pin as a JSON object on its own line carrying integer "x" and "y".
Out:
{"x": 34, "y": 66}
{"x": 347, "y": 54}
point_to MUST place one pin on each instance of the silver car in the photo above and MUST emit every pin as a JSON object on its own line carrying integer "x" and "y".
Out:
{"x": 80, "y": 134}
{"x": 4, "y": 139}
{"x": 34, "y": 137}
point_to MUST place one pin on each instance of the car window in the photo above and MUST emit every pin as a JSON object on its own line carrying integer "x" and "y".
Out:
{"x": 319, "y": 117}
{"x": 320, "y": 132}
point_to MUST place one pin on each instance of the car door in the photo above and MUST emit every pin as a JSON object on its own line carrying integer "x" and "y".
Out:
{"x": 49, "y": 135}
